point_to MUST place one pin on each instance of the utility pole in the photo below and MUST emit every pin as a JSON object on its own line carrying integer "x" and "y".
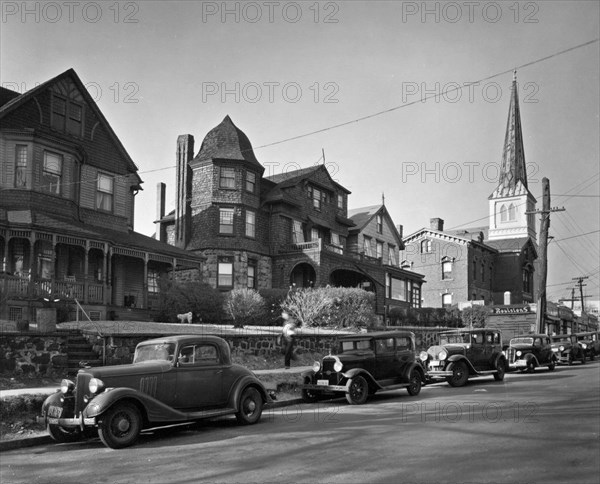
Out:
{"x": 581, "y": 286}
{"x": 543, "y": 246}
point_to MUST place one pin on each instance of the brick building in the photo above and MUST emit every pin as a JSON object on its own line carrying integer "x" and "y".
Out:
{"x": 493, "y": 264}
{"x": 280, "y": 231}
{"x": 67, "y": 209}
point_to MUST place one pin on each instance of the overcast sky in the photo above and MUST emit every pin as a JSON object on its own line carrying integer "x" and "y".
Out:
{"x": 282, "y": 70}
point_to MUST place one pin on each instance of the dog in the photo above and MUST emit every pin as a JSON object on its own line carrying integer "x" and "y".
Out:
{"x": 185, "y": 318}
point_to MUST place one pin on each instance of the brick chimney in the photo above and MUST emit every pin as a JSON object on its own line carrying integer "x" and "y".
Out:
{"x": 185, "y": 153}
{"x": 436, "y": 224}
{"x": 400, "y": 229}
{"x": 160, "y": 211}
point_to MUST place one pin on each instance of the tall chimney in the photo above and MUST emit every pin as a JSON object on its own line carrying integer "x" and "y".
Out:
{"x": 436, "y": 224}
{"x": 400, "y": 229}
{"x": 185, "y": 153}
{"x": 160, "y": 210}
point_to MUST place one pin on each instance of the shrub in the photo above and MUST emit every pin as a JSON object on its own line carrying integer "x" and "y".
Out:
{"x": 273, "y": 301}
{"x": 201, "y": 299}
{"x": 245, "y": 306}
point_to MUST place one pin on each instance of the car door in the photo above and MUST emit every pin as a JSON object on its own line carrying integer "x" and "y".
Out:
{"x": 405, "y": 352}
{"x": 199, "y": 377}
{"x": 386, "y": 356}
{"x": 476, "y": 353}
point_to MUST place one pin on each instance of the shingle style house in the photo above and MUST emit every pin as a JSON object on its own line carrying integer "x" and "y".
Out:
{"x": 285, "y": 230}
{"x": 67, "y": 208}
{"x": 492, "y": 264}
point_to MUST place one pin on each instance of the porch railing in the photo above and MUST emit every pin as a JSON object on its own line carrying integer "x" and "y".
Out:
{"x": 22, "y": 287}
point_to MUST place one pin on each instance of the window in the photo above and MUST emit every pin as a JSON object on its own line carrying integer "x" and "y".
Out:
{"x": 336, "y": 243}
{"x": 340, "y": 201}
{"x": 446, "y": 300}
{"x": 316, "y": 195}
{"x": 379, "y": 223}
{"x": 226, "y": 220}
{"x": 526, "y": 280}
{"x": 52, "y": 173}
{"x": 425, "y": 246}
{"x": 416, "y": 296}
{"x": 392, "y": 255}
{"x": 482, "y": 272}
{"x": 250, "y": 223}
{"x": 512, "y": 212}
{"x": 367, "y": 247}
{"x": 379, "y": 249}
{"x": 67, "y": 115}
{"x": 21, "y": 166}
{"x": 250, "y": 181}
{"x": 105, "y": 193}
{"x": 403, "y": 343}
{"x": 447, "y": 269}
{"x": 314, "y": 234}
{"x": 251, "y": 284}
{"x": 153, "y": 281}
{"x": 397, "y": 289}
{"x": 474, "y": 270}
{"x": 503, "y": 213}
{"x": 227, "y": 179}
{"x": 225, "y": 272}
{"x": 297, "y": 232}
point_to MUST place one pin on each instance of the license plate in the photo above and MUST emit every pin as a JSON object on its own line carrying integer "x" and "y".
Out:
{"x": 435, "y": 363}
{"x": 53, "y": 421}
{"x": 322, "y": 382}
{"x": 54, "y": 411}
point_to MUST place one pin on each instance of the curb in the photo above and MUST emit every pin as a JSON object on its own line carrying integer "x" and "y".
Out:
{"x": 46, "y": 439}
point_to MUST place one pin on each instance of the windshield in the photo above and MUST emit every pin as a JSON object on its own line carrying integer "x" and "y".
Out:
{"x": 154, "y": 352}
{"x": 559, "y": 339}
{"x": 521, "y": 341}
{"x": 360, "y": 345}
{"x": 455, "y": 338}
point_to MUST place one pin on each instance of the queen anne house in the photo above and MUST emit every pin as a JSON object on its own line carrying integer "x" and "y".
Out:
{"x": 67, "y": 195}
{"x": 286, "y": 230}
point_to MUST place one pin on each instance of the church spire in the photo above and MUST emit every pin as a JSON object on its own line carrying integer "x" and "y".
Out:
{"x": 512, "y": 167}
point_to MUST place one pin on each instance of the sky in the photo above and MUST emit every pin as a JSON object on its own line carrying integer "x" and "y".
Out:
{"x": 405, "y": 99}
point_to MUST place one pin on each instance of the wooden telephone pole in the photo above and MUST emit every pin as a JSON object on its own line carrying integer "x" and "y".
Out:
{"x": 543, "y": 253}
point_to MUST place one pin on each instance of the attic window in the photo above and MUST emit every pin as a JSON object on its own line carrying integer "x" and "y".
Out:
{"x": 316, "y": 195}
{"x": 67, "y": 115}
{"x": 379, "y": 224}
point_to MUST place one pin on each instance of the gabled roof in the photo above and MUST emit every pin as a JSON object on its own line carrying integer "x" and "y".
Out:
{"x": 19, "y": 100}
{"x": 7, "y": 95}
{"x": 362, "y": 217}
{"x": 512, "y": 245}
{"x": 227, "y": 142}
{"x": 293, "y": 177}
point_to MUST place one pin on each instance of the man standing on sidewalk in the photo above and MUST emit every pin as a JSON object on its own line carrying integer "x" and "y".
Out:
{"x": 289, "y": 337}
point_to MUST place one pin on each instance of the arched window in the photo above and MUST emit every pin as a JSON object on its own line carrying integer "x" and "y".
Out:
{"x": 512, "y": 212}
{"x": 446, "y": 300}
{"x": 503, "y": 213}
{"x": 446, "y": 268}
{"x": 425, "y": 246}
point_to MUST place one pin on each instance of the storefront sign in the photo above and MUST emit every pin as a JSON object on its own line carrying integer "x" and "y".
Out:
{"x": 512, "y": 310}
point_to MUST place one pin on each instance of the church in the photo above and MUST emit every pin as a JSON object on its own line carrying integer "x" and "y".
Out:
{"x": 490, "y": 265}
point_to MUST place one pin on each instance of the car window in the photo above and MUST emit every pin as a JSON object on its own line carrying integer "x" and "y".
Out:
{"x": 385, "y": 345}
{"x": 201, "y": 354}
{"x": 537, "y": 342}
{"x": 154, "y": 352}
{"x": 476, "y": 338}
{"x": 489, "y": 338}
{"x": 363, "y": 345}
{"x": 403, "y": 343}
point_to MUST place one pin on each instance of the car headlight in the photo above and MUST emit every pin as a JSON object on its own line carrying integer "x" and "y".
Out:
{"x": 584, "y": 346}
{"x": 519, "y": 353}
{"x": 337, "y": 366}
{"x": 442, "y": 355}
{"x": 423, "y": 355}
{"x": 561, "y": 348}
{"x": 316, "y": 366}
{"x": 96, "y": 385}
{"x": 67, "y": 386}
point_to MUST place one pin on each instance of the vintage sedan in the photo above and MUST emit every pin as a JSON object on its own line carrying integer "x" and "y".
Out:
{"x": 172, "y": 379}
{"x": 464, "y": 354}
{"x": 590, "y": 342}
{"x": 365, "y": 364}
{"x": 526, "y": 353}
{"x": 567, "y": 349}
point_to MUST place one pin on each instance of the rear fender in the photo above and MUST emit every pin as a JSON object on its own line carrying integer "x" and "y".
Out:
{"x": 414, "y": 367}
{"x": 241, "y": 385}
{"x": 529, "y": 357}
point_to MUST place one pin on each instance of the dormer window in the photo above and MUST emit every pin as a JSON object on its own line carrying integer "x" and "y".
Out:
{"x": 316, "y": 195}
{"x": 227, "y": 178}
{"x": 67, "y": 115}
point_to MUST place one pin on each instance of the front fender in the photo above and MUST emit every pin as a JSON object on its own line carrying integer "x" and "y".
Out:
{"x": 455, "y": 358}
{"x": 308, "y": 374}
{"x": 364, "y": 373}
{"x": 529, "y": 357}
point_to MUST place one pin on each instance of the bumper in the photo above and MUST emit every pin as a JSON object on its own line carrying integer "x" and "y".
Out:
{"x": 432, "y": 374}
{"x": 80, "y": 422}
{"x": 518, "y": 365}
{"x": 324, "y": 388}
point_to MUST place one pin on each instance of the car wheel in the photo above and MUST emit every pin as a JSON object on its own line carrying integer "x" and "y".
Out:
{"x": 358, "y": 391}
{"x": 120, "y": 426}
{"x": 460, "y": 374}
{"x": 414, "y": 383}
{"x": 251, "y": 405}
{"x": 530, "y": 366}
{"x": 501, "y": 370}
{"x": 309, "y": 396}
{"x": 62, "y": 435}
{"x": 583, "y": 358}
{"x": 552, "y": 365}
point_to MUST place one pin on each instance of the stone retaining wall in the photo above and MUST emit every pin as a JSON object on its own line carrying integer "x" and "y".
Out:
{"x": 37, "y": 354}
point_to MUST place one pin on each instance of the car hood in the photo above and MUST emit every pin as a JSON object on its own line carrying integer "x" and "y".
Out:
{"x": 451, "y": 349}
{"x": 353, "y": 357}
{"x": 521, "y": 347}
{"x": 131, "y": 369}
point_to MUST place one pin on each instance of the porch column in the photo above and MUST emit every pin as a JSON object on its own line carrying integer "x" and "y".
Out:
{"x": 108, "y": 271}
{"x": 86, "y": 280}
{"x": 145, "y": 282}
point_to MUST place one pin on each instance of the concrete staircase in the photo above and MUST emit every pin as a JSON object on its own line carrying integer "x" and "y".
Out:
{"x": 80, "y": 354}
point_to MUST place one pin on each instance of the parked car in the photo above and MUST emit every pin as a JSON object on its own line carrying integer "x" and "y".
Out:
{"x": 567, "y": 349}
{"x": 526, "y": 353}
{"x": 463, "y": 354}
{"x": 590, "y": 342}
{"x": 365, "y": 364}
{"x": 172, "y": 379}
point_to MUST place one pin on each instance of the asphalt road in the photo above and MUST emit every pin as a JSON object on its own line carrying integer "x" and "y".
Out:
{"x": 530, "y": 428}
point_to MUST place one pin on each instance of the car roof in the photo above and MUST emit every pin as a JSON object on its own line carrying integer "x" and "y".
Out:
{"x": 536, "y": 335}
{"x": 478, "y": 330}
{"x": 184, "y": 338}
{"x": 378, "y": 334}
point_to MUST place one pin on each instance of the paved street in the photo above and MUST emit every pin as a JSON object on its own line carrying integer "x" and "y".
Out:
{"x": 529, "y": 428}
